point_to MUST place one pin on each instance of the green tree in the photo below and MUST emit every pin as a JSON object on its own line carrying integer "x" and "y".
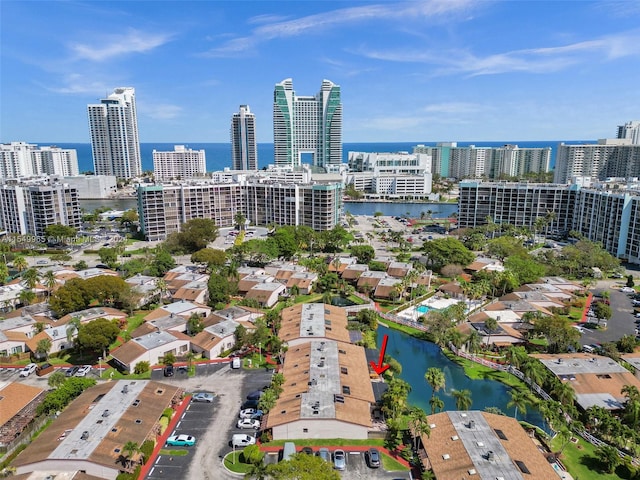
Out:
{"x": 303, "y": 467}
{"x": 108, "y": 256}
{"x": 194, "y": 325}
{"x": 602, "y": 310}
{"x": 59, "y": 234}
{"x": 490, "y": 326}
{"x": 267, "y": 400}
{"x": 141, "y": 367}
{"x": 444, "y": 251}
{"x": 436, "y": 379}
{"x": 81, "y": 265}
{"x": 608, "y": 457}
{"x": 162, "y": 262}
{"x": 525, "y": 268}
{"x": 364, "y": 253}
{"x": 520, "y": 400}
{"x": 4, "y": 273}
{"x": 129, "y": 218}
{"x": 27, "y": 297}
{"x": 219, "y": 288}
{"x": 97, "y": 335}
{"x": 31, "y": 277}
{"x": 194, "y": 235}
{"x": 56, "y": 379}
{"x": 169, "y": 358}
{"x": 630, "y": 283}
{"x": 20, "y": 263}
{"x": 130, "y": 448}
{"x": 212, "y": 257}
{"x": 564, "y": 392}
{"x": 50, "y": 281}
{"x": 463, "y": 399}
{"x": 43, "y": 347}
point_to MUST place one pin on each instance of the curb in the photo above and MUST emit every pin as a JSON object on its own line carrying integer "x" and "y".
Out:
{"x": 160, "y": 441}
{"x": 227, "y": 470}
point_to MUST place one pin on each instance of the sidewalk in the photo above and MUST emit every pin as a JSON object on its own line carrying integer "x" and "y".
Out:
{"x": 160, "y": 440}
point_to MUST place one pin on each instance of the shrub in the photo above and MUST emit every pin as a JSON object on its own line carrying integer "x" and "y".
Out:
{"x": 147, "y": 449}
{"x": 141, "y": 367}
{"x": 168, "y": 412}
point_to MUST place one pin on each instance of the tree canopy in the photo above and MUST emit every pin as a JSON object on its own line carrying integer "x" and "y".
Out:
{"x": 194, "y": 235}
{"x": 77, "y": 294}
{"x": 97, "y": 335}
{"x": 444, "y": 251}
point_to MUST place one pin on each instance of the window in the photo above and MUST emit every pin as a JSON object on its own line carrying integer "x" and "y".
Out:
{"x": 305, "y": 430}
{"x": 344, "y": 370}
{"x": 346, "y": 390}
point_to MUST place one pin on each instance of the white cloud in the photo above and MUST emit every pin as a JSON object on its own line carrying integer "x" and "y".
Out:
{"x": 111, "y": 46}
{"x": 534, "y": 60}
{"x": 160, "y": 111}
{"x": 389, "y": 123}
{"x": 327, "y": 20}
{"x": 453, "y": 108}
{"x": 76, "y": 83}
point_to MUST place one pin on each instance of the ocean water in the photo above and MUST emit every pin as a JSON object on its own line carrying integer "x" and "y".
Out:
{"x": 218, "y": 155}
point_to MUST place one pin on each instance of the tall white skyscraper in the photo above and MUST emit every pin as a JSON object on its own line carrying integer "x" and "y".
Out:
{"x": 244, "y": 149}
{"x": 113, "y": 124}
{"x": 630, "y": 130}
{"x": 307, "y": 126}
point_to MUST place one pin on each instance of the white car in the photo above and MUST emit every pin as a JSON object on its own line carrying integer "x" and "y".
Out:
{"x": 83, "y": 371}
{"x": 579, "y": 328}
{"x": 627, "y": 290}
{"x": 248, "y": 412}
{"x": 248, "y": 423}
{"x": 28, "y": 370}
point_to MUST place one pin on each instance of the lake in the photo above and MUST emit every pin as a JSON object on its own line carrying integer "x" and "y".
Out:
{"x": 416, "y": 356}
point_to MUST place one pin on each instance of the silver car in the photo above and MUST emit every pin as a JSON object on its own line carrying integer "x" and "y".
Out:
{"x": 339, "y": 460}
{"x": 202, "y": 397}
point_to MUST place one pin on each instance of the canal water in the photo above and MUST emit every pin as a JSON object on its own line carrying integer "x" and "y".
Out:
{"x": 416, "y": 356}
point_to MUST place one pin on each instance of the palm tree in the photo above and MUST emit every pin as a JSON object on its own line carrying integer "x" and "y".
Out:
{"x": 190, "y": 356}
{"x": 30, "y": 278}
{"x": 564, "y": 434}
{"x": 474, "y": 341}
{"x": 419, "y": 424}
{"x": 267, "y": 400}
{"x": 519, "y": 400}
{"x": 20, "y": 263}
{"x": 436, "y": 404}
{"x": 130, "y": 448}
{"x": 161, "y": 285}
{"x": 533, "y": 371}
{"x": 26, "y": 297}
{"x": 436, "y": 379}
{"x": 564, "y": 392}
{"x": 49, "y": 282}
{"x": 43, "y": 347}
{"x": 608, "y": 456}
{"x": 490, "y": 325}
{"x": 463, "y": 399}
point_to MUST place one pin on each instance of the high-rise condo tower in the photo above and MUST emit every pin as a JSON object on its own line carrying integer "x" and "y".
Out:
{"x": 307, "y": 126}
{"x": 244, "y": 149}
{"x": 113, "y": 124}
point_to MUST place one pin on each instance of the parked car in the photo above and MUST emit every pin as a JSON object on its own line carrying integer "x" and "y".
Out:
{"x": 255, "y": 395}
{"x": 373, "y": 456}
{"x": 83, "y": 371}
{"x": 28, "y": 370}
{"x": 202, "y": 397}
{"x": 249, "y": 404}
{"x": 249, "y": 412}
{"x": 71, "y": 371}
{"x": 339, "y": 460}
{"x": 324, "y": 454}
{"x": 307, "y": 450}
{"x": 248, "y": 423}
{"x": 242, "y": 440}
{"x": 168, "y": 371}
{"x": 181, "y": 441}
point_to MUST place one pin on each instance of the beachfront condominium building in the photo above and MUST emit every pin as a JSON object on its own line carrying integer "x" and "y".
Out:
{"x": 611, "y": 217}
{"x": 244, "y": 149}
{"x": 609, "y": 158}
{"x": 180, "y": 163}
{"x": 307, "y": 129}
{"x": 163, "y": 208}
{"x": 113, "y": 124}
{"x": 630, "y": 130}
{"x": 21, "y": 159}
{"x": 508, "y": 161}
{"x": 29, "y": 207}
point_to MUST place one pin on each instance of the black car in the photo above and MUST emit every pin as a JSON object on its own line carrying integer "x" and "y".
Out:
{"x": 168, "y": 371}
{"x": 250, "y": 404}
{"x": 71, "y": 371}
{"x": 374, "y": 458}
{"x": 255, "y": 395}
{"x": 307, "y": 450}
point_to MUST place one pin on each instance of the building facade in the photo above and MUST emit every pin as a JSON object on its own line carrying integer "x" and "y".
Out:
{"x": 307, "y": 125}
{"x": 21, "y": 159}
{"x": 609, "y": 217}
{"x": 244, "y": 146}
{"x": 163, "y": 208}
{"x": 631, "y": 131}
{"x": 608, "y": 158}
{"x": 180, "y": 163}
{"x": 29, "y": 208}
{"x": 113, "y": 124}
{"x": 93, "y": 186}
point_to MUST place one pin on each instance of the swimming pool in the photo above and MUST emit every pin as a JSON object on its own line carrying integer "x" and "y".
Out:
{"x": 422, "y": 309}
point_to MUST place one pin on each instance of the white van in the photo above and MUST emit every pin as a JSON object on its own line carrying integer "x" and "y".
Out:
{"x": 240, "y": 440}
{"x": 236, "y": 362}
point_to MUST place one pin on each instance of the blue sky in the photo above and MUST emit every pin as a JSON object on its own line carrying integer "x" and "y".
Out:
{"x": 441, "y": 70}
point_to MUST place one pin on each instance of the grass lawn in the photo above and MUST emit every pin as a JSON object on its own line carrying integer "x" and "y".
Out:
{"x": 232, "y": 462}
{"x": 115, "y": 374}
{"x": 414, "y": 332}
{"x": 581, "y": 462}
{"x": 333, "y": 442}
{"x": 313, "y": 298}
{"x": 175, "y": 453}
{"x": 390, "y": 464}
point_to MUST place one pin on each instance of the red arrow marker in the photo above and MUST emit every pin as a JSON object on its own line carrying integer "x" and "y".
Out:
{"x": 379, "y": 368}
